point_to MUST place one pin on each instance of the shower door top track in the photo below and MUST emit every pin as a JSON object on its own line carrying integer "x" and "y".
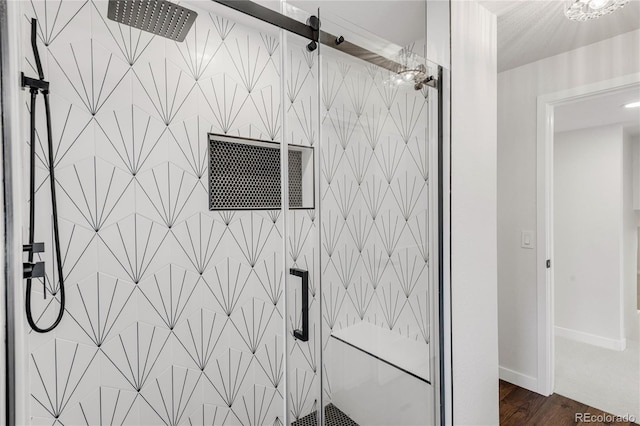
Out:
{"x": 279, "y": 20}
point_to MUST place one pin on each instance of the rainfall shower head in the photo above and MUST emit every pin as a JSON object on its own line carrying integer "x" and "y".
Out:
{"x": 160, "y": 17}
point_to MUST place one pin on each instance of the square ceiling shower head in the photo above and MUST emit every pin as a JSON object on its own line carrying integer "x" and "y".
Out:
{"x": 160, "y": 17}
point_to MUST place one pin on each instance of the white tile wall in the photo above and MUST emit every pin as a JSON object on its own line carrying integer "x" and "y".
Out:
{"x": 174, "y": 313}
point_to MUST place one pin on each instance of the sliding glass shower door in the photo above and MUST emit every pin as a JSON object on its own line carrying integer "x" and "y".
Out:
{"x": 379, "y": 263}
{"x": 363, "y": 279}
{"x": 303, "y": 294}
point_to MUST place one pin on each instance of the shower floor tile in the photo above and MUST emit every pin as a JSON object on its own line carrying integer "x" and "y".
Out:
{"x": 333, "y": 417}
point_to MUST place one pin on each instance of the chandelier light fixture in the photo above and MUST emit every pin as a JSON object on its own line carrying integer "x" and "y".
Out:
{"x": 410, "y": 76}
{"x": 584, "y": 10}
{"x": 411, "y": 71}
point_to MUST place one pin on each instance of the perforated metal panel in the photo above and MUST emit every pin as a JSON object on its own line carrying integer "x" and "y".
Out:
{"x": 243, "y": 175}
{"x": 159, "y": 17}
{"x": 295, "y": 179}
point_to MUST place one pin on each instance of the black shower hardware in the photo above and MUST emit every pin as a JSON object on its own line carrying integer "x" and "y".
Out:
{"x": 36, "y": 269}
{"x": 312, "y": 31}
{"x": 159, "y": 17}
{"x": 314, "y": 23}
{"x": 303, "y": 334}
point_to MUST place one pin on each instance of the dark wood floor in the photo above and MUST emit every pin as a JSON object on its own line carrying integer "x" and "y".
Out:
{"x": 520, "y": 407}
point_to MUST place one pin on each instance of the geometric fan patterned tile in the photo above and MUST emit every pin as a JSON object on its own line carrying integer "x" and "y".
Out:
{"x": 258, "y": 396}
{"x": 225, "y": 99}
{"x": 137, "y": 143}
{"x": 208, "y": 414}
{"x": 228, "y": 377}
{"x": 99, "y": 193}
{"x": 225, "y": 285}
{"x": 176, "y": 394}
{"x": 135, "y": 357}
{"x": 197, "y": 54}
{"x": 130, "y": 44}
{"x": 105, "y": 406}
{"x": 199, "y": 238}
{"x": 101, "y": 306}
{"x": 64, "y": 371}
{"x": 168, "y": 189}
{"x": 251, "y": 322}
{"x": 56, "y": 16}
{"x": 72, "y": 139}
{"x": 172, "y": 293}
{"x": 202, "y": 337}
{"x": 133, "y": 243}
{"x": 165, "y": 89}
{"x": 97, "y": 82}
{"x": 174, "y": 314}
{"x": 189, "y": 144}
{"x": 302, "y": 399}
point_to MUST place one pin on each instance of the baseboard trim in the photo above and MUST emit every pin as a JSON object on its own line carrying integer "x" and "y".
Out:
{"x": 591, "y": 339}
{"x": 518, "y": 379}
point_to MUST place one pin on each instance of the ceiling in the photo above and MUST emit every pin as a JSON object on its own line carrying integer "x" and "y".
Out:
{"x": 600, "y": 110}
{"x": 529, "y": 30}
{"x": 398, "y": 21}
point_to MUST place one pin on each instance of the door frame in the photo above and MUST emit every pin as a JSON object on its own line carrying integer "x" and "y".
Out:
{"x": 546, "y": 105}
{"x": 3, "y": 302}
{"x": 13, "y": 336}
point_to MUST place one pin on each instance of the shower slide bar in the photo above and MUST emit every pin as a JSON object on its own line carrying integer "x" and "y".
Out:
{"x": 36, "y": 269}
{"x": 311, "y": 31}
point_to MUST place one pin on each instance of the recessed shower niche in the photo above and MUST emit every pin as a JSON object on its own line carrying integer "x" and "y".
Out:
{"x": 244, "y": 174}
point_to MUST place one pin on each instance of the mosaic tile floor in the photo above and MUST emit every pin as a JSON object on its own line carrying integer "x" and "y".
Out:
{"x": 333, "y": 417}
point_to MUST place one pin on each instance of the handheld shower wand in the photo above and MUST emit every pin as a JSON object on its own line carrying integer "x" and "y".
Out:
{"x": 36, "y": 269}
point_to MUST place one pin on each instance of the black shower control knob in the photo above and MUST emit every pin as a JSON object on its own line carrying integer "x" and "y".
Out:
{"x": 33, "y": 270}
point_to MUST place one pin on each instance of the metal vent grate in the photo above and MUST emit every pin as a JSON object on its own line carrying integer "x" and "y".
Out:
{"x": 159, "y": 17}
{"x": 244, "y": 175}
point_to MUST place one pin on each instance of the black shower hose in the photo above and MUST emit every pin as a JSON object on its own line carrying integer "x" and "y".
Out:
{"x": 54, "y": 207}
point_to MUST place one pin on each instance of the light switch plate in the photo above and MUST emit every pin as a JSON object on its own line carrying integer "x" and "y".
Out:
{"x": 526, "y": 239}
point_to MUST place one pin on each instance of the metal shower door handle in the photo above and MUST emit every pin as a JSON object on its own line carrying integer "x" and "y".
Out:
{"x": 303, "y": 334}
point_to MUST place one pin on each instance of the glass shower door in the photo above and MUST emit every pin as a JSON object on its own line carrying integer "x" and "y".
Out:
{"x": 302, "y": 137}
{"x": 369, "y": 245}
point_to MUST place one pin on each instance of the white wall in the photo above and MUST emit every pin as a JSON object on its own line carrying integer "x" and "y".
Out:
{"x": 636, "y": 174}
{"x": 630, "y": 242}
{"x": 588, "y": 237}
{"x": 473, "y": 214}
{"x": 638, "y": 251}
{"x": 518, "y": 90}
